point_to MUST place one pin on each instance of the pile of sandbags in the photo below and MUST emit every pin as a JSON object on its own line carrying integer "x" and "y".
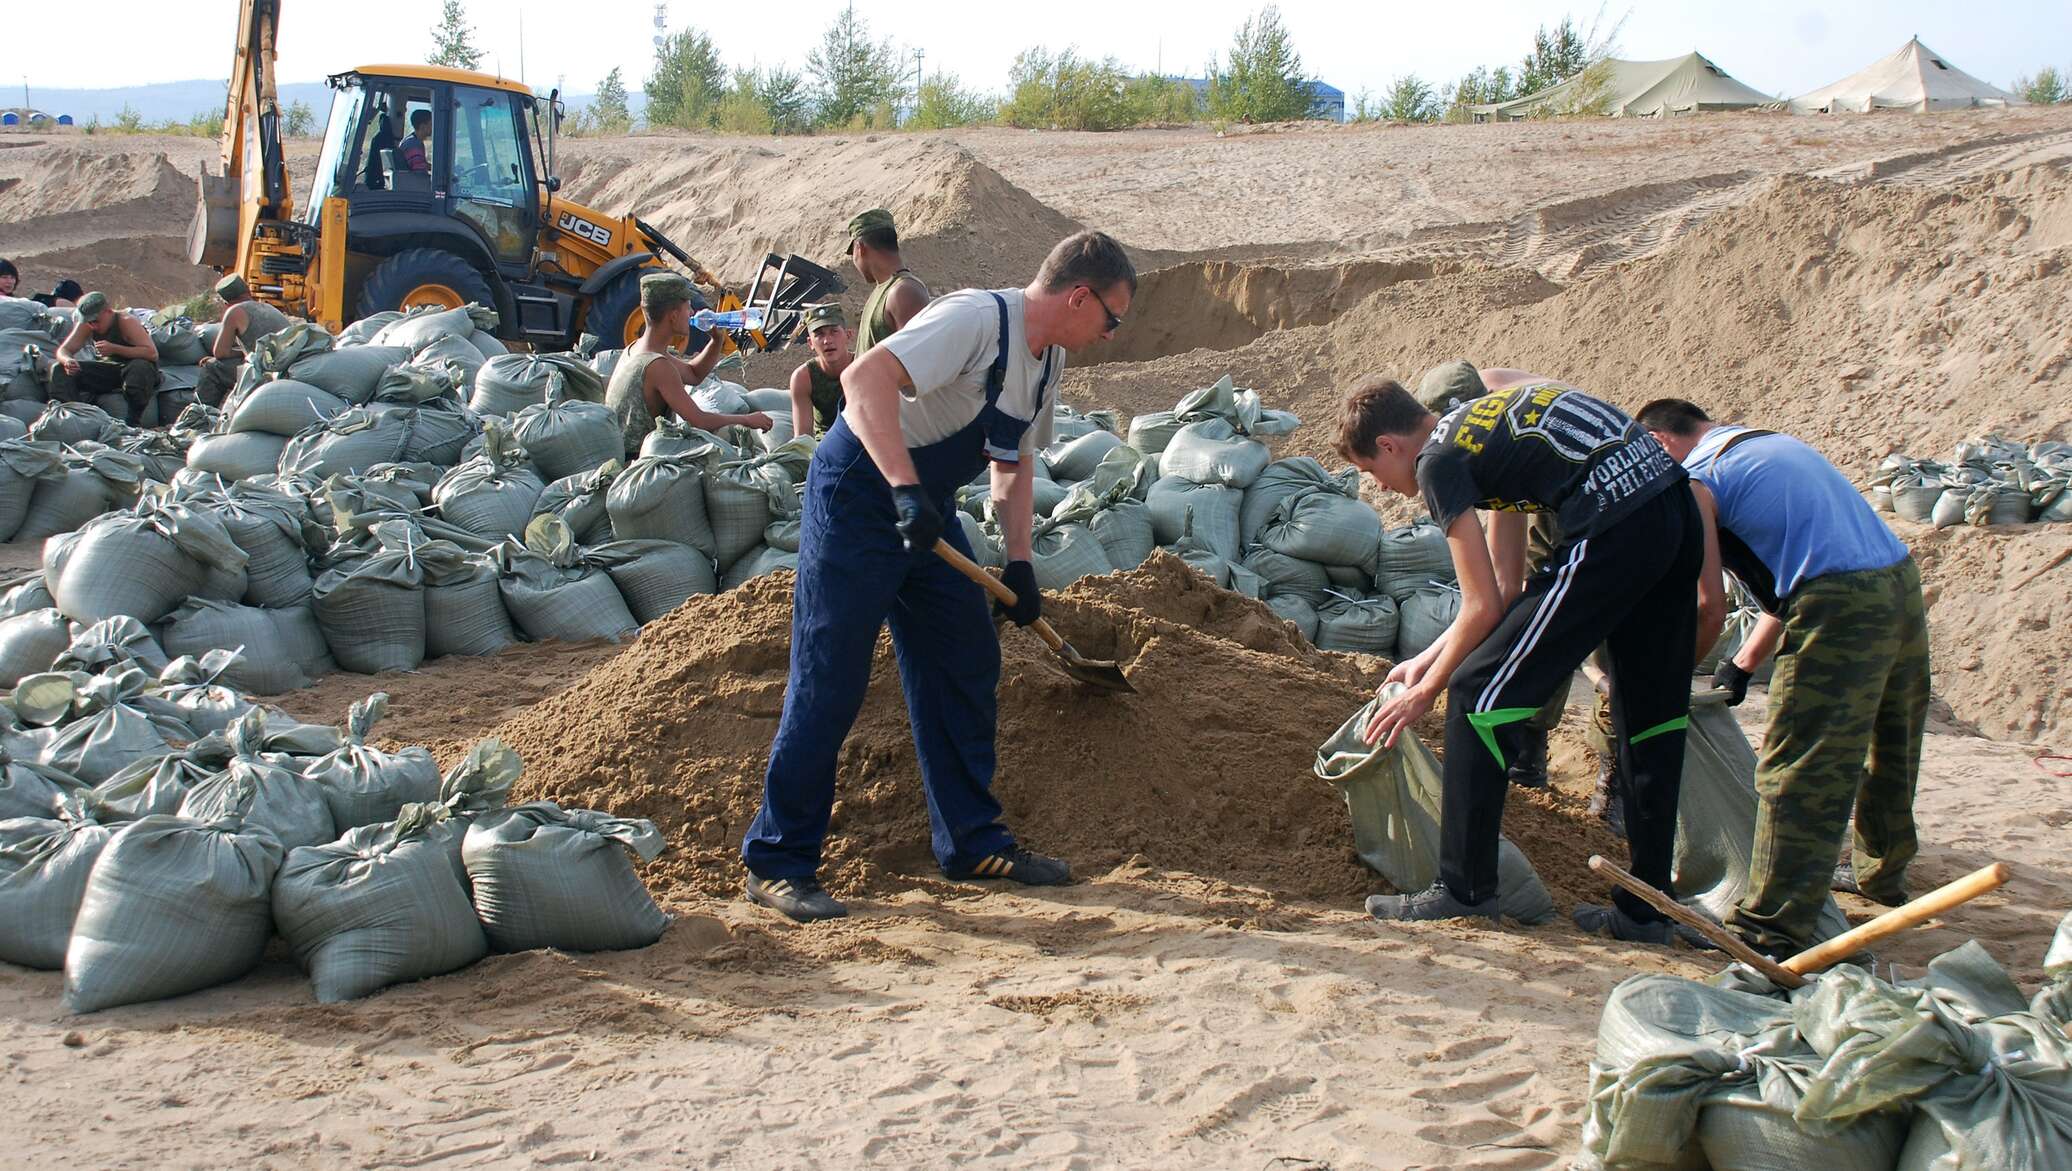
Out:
{"x": 1990, "y": 481}
{"x": 148, "y": 859}
{"x": 1952, "y": 1069}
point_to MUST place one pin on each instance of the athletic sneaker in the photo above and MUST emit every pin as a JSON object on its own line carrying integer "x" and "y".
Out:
{"x": 1613, "y": 922}
{"x": 1432, "y": 903}
{"x": 799, "y": 899}
{"x": 1529, "y": 771}
{"x": 1845, "y": 881}
{"x": 1017, "y": 865}
{"x": 1606, "y": 805}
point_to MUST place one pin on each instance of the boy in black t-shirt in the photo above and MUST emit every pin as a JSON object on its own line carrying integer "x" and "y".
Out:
{"x": 1625, "y": 575}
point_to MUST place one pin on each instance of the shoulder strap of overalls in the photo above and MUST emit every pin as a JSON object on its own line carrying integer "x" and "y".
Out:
{"x": 1004, "y": 431}
{"x": 1736, "y": 441}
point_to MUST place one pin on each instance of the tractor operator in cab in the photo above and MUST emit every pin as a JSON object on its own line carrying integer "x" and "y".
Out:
{"x": 126, "y": 359}
{"x": 652, "y": 382}
{"x": 816, "y": 386}
{"x": 897, "y": 295}
{"x": 245, "y": 321}
{"x": 412, "y": 154}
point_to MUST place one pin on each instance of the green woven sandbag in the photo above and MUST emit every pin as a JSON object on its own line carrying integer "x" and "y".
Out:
{"x": 548, "y": 877}
{"x": 1063, "y": 553}
{"x": 367, "y": 786}
{"x": 1323, "y": 525}
{"x": 172, "y": 906}
{"x": 379, "y": 906}
{"x": 44, "y": 866}
{"x": 1356, "y": 624}
{"x": 1214, "y": 508}
{"x": 654, "y": 577}
{"x": 1393, "y": 795}
{"x": 662, "y": 497}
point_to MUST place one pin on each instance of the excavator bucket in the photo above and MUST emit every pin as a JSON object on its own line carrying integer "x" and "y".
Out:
{"x": 782, "y": 288}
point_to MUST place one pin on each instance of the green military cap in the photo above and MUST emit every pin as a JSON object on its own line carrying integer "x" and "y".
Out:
{"x": 92, "y": 305}
{"x": 826, "y": 314}
{"x": 1446, "y": 387}
{"x": 876, "y": 219}
{"x": 663, "y": 288}
{"x": 232, "y": 287}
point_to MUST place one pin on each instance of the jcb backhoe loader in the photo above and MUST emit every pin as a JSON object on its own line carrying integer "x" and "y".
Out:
{"x": 436, "y": 186}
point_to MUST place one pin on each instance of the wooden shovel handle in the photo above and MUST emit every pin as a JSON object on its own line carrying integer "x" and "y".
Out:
{"x": 1936, "y": 902}
{"x": 998, "y": 589}
{"x": 1721, "y": 938}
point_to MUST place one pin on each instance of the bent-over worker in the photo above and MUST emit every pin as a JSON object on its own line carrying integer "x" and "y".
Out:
{"x": 245, "y": 321}
{"x": 652, "y": 381}
{"x": 126, "y": 359}
{"x": 969, "y": 384}
{"x": 816, "y": 386}
{"x": 1624, "y": 575}
{"x": 897, "y": 295}
{"x": 1842, "y": 608}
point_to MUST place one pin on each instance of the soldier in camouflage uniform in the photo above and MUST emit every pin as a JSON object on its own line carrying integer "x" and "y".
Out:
{"x": 1849, "y": 697}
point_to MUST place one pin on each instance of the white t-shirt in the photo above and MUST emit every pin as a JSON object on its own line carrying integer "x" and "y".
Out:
{"x": 947, "y": 350}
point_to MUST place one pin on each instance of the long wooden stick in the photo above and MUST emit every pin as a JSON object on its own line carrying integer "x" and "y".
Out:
{"x": 1726, "y": 940}
{"x": 998, "y": 589}
{"x": 1936, "y": 902}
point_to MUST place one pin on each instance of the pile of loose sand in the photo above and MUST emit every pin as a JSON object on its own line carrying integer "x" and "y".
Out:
{"x": 1204, "y": 772}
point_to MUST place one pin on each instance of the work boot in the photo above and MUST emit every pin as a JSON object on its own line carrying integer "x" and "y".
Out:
{"x": 1432, "y": 903}
{"x": 1613, "y": 922}
{"x": 1016, "y": 865}
{"x": 1529, "y": 771}
{"x": 1605, "y": 804}
{"x": 1845, "y": 882}
{"x": 801, "y": 900}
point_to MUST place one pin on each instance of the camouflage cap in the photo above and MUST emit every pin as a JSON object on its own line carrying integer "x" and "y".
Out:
{"x": 819, "y": 316}
{"x": 1446, "y": 387}
{"x": 876, "y": 219}
{"x": 92, "y": 305}
{"x": 232, "y": 288}
{"x": 663, "y": 289}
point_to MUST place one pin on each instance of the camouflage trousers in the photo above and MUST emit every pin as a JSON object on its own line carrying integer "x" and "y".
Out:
{"x": 1848, "y": 703}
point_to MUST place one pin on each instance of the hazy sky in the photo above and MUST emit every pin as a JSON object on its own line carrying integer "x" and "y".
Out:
{"x": 1775, "y": 46}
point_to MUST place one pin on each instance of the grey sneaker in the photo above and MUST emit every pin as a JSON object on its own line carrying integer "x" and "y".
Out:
{"x": 1432, "y": 903}
{"x": 1617, "y": 924}
{"x": 801, "y": 900}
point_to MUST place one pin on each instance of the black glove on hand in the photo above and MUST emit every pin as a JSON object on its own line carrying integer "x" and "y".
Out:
{"x": 1731, "y": 679}
{"x": 1020, "y": 576}
{"x": 920, "y": 525}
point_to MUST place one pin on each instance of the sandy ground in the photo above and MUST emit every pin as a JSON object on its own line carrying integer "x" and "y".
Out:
{"x": 1876, "y": 283}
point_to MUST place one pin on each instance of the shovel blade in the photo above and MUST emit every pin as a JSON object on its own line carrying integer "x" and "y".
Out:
{"x": 1095, "y": 673}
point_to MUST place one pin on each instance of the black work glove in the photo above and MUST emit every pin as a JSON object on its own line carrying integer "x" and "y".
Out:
{"x": 920, "y": 525}
{"x": 1020, "y": 576}
{"x": 1731, "y": 679}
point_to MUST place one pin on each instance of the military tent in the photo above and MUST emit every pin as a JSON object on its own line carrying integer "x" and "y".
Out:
{"x": 1916, "y": 78}
{"x": 1688, "y": 84}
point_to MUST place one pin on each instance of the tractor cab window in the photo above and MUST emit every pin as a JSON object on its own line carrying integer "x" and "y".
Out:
{"x": 395, "y": 140}
{"x": 490, "y": 187}
{"x": 345, "y": 114}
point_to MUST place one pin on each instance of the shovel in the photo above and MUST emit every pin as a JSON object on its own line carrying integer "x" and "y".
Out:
{"x": 1096, "y": 673}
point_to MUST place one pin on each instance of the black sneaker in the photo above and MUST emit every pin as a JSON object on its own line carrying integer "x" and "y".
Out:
{"x": 1606, "y": 805}
{"x": 1845, "y": 882}
{"x": 800, "y": 899}
{"x": 1015, "y": 864}
{"x": 1617, "y": 924}
{"x": 1529, "y": 771}
{"x": 1432, "y": 903}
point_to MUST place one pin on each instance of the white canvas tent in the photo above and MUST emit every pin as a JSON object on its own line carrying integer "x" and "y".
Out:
{"x": 1916, "y": 78}
{"x": 1636, "y": 89}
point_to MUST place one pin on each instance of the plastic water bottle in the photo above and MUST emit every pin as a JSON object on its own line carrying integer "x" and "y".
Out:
{"x": 710, "y": 319}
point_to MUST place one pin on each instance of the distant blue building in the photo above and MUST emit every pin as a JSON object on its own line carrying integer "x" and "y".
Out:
{"x": 66, "y": 119}
{"x": 1326, "y": 102}
{"x": 10, "y": 118}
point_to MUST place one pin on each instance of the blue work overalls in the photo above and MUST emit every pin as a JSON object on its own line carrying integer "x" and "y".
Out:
{"x": 855, "y": 574}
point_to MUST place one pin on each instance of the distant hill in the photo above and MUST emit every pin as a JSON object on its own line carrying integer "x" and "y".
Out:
{"x": 181, "y": 100}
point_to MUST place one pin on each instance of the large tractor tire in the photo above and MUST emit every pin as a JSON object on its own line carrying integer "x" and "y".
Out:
{"x": 417, "y": 277}
{"x": 616, "y": 318}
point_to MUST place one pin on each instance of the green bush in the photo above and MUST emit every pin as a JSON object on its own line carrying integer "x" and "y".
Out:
{"x": 1064, "y": 91}
{"x": 1262, "y": 79}
{"x": 942, "y": 103}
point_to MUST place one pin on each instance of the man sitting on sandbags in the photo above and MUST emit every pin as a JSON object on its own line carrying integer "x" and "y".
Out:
{"x": 1842, "y": 607}
{"x": 245, "y": 321}
{"x": 125, "y": 359}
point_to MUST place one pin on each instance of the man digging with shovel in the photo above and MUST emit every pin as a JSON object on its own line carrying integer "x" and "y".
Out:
{"x": 970, "y": 382}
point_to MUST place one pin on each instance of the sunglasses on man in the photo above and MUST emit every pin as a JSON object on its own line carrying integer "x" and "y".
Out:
{"x": 1114, "y": 322}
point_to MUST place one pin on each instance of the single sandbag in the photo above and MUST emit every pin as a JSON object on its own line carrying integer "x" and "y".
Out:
{"x": 1422, "y": 615}
{"x": 96, "y": 480}
{"x": 355, "y": 439}
{"x": 757, "y": 563}
{"x": 1076, "y": 459}
{"x": 237, "y": 457}
{"x": 548, "y": 877}
{"x": 566, "y": 435}
{"x": 283, "y": 407}
{"x": 420, "y": 328}
{"x": 560, "y": 598}
{"x": 654, "y": 577}
{"x": 1214, "y": 508}
{"x": 1296, "y": 609}
{"x": 1282, "y": 576}
{"x": 1393, "y": 795}
{"x": 494, "y": 494}
{"x": 379, "y": 906}
{"x": 29, "y": 789}
{"x": 662, "y": 498}
{"x": 196, "y": 689}
{"x": 1152, "y": 433}
{"x": 371, "y": 608}
{"x": 579, "y": 501}
{"x": 350, "y": 372}
{"x": 1284, "y": 478}
{"x": 30, "y": 642}
{"x": 112, "y": 642}
{"x": 263, "y": 793}
{"x": 24, "y": 465}
{"x": 1358, "y": 625}
{"x": 742, "y": 497}
{"x": 463, "y": 603}
{"x": 74, "y": 423}
{"x": 267, "y": 525}
{"x": 1410, "y": 558}
{"x": 367, "y": 786}
{"x": 44, "y": 866}
{"x": 1213, "y": 452}
{"x": 277, "y": 650}
{"x": 1323, "y": 525}
{"x": 1063, "y": 553}
{"x": 510, "y": 383}
{"x": 172, "y": 906}
{"x": 148, "y": 787}
{"x": 109, "y": 731}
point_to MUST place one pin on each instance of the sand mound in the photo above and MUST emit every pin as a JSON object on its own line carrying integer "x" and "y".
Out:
{"x": 729, "y": 202}
{"x": 110, "y": 217}
{"x": 1204, "y": 772}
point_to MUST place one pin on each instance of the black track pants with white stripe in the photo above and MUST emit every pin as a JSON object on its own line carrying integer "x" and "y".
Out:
{"x": 1632, "y": 588}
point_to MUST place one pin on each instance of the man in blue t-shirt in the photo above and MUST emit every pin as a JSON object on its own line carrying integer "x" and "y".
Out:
{"x": 1848, "y": 701}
